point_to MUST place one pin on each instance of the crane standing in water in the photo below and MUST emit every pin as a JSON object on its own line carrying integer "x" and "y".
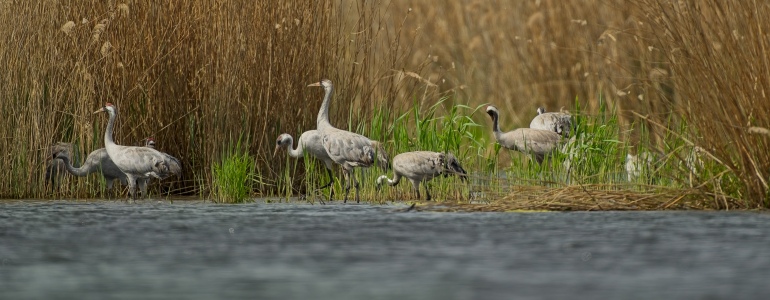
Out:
{"x": 422, "y": 166}
{"x": 311, "y": 142}
{"x": 97, "y": 161}
{"x": 137, "y": 162}
{"x": 345, "y": 148}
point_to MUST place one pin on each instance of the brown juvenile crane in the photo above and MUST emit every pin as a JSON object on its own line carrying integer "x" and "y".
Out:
{"x": 527, "y": 140}
{"x": 422, "y": 166}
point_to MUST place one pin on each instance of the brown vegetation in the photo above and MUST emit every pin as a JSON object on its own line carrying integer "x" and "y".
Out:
{"x": 592, "y": 198}
{"x": 199, "y": 75}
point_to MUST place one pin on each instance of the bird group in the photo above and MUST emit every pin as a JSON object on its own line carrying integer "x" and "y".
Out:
{"x": 350, "y": 150}
{"x": 136, "y": 165}
{"x": 544, "y": 135}
{"x": 132, "y": 165}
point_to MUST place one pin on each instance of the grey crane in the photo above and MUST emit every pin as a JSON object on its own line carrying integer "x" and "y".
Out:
{"x": 527, "y": 140}
{"x": 345, "y": 148}
{"x": 311, "y": 141}
{"x": 422, "y": 166}
{"x": 137, "y": 162}
{"x": 558, "y": 122}
{"x": 97, "y": 161}
{"x": 55, "y": 169}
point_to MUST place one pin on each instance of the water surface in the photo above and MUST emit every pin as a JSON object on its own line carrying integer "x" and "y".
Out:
{"x": 194, "y": 250}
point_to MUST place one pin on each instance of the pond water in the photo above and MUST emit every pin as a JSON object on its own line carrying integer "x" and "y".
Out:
{"x": 195, "y": 250}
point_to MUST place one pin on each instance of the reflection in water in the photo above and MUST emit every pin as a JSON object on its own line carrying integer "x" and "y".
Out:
{"x": 280, "y": 251}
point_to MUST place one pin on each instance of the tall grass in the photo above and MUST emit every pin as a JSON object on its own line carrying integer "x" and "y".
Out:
{"x": 192, "y": 74}
{"x": 721, "y": 74}
{"x": 189, "y": 74}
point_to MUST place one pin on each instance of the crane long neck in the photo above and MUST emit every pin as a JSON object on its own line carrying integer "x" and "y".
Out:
{"x": 80, "y": 172}
{"x": 297, "y": 152}
{"x": 323, "y": 113}
{"x": 108, "y": 134}
{"x": 496, "y": 124}
{"x": 396, "y": 179}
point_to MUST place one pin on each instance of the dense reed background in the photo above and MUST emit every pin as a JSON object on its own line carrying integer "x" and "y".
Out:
{"x": 203, "y": 75}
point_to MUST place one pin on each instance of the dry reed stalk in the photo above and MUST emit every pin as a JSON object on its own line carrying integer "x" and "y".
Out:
{"x": 194, "y": 75}
{"x": 198, "y": 74}
{"x": 591, "y": 198}
{"x": 720, "y": 52}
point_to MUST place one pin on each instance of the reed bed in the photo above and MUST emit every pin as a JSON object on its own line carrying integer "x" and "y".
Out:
{"x": 589, "y": 198}
{"x": 667, "y": 77}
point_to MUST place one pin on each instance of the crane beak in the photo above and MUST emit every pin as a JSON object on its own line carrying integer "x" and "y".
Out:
{"x": 276, "y": 150}
{"x": 100, "y": 110}
{"x": 315, "y": 84}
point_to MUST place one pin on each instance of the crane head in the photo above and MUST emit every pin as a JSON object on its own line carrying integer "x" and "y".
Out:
{"x": 491, "y": 110}
{"x": 60, "y": 149}
{"x": 149, "y": 142}
{"x": 453, "y": 166}
{"x": 108, "y": 107}
{"x": 540, "y": 110}
{"x": 283, "y": 141}
{"x": 325, "y": 83}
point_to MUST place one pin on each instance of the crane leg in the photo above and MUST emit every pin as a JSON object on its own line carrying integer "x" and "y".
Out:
{"x": 416, "y": 186}
{"x": 346, "y": 174}
{"x": 108, "y": 189}
{"x": 143, "y": 186}
{"x": 355, "y": 183}
{"x": 131, "y": 186}
{"x": 329, "y": 185}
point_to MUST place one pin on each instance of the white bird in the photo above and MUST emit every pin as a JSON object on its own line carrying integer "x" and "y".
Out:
{"x": 137, "y": 162}
{"x": 97, "y": 161}
{"x": 527, "y": 140}
{"x": 642, "y": 164}
{"x": 345, "y": 148}
{"x": 310, "y": 142}
{"x": 558, "y": 122}
{"x": 422, "y": 166}
{"x": 694, "y": 161}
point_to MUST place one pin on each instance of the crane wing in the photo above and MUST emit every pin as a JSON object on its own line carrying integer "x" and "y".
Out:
{"x": 147, "y": 161}
{"x": 348, "y": 149}
{"x": 419, "y": 164}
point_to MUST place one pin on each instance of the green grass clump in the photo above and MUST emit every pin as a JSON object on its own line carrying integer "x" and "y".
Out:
{"x": 233, "y": 178}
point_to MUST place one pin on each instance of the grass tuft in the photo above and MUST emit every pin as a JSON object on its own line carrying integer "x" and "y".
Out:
{"x": 233, "y": 177}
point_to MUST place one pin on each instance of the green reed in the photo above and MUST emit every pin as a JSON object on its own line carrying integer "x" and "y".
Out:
{"x": 233, "y": 176}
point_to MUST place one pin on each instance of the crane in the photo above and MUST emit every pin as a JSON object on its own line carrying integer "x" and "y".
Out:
{"x": 137, "y": 162}
{"x": 422, "y": 166}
